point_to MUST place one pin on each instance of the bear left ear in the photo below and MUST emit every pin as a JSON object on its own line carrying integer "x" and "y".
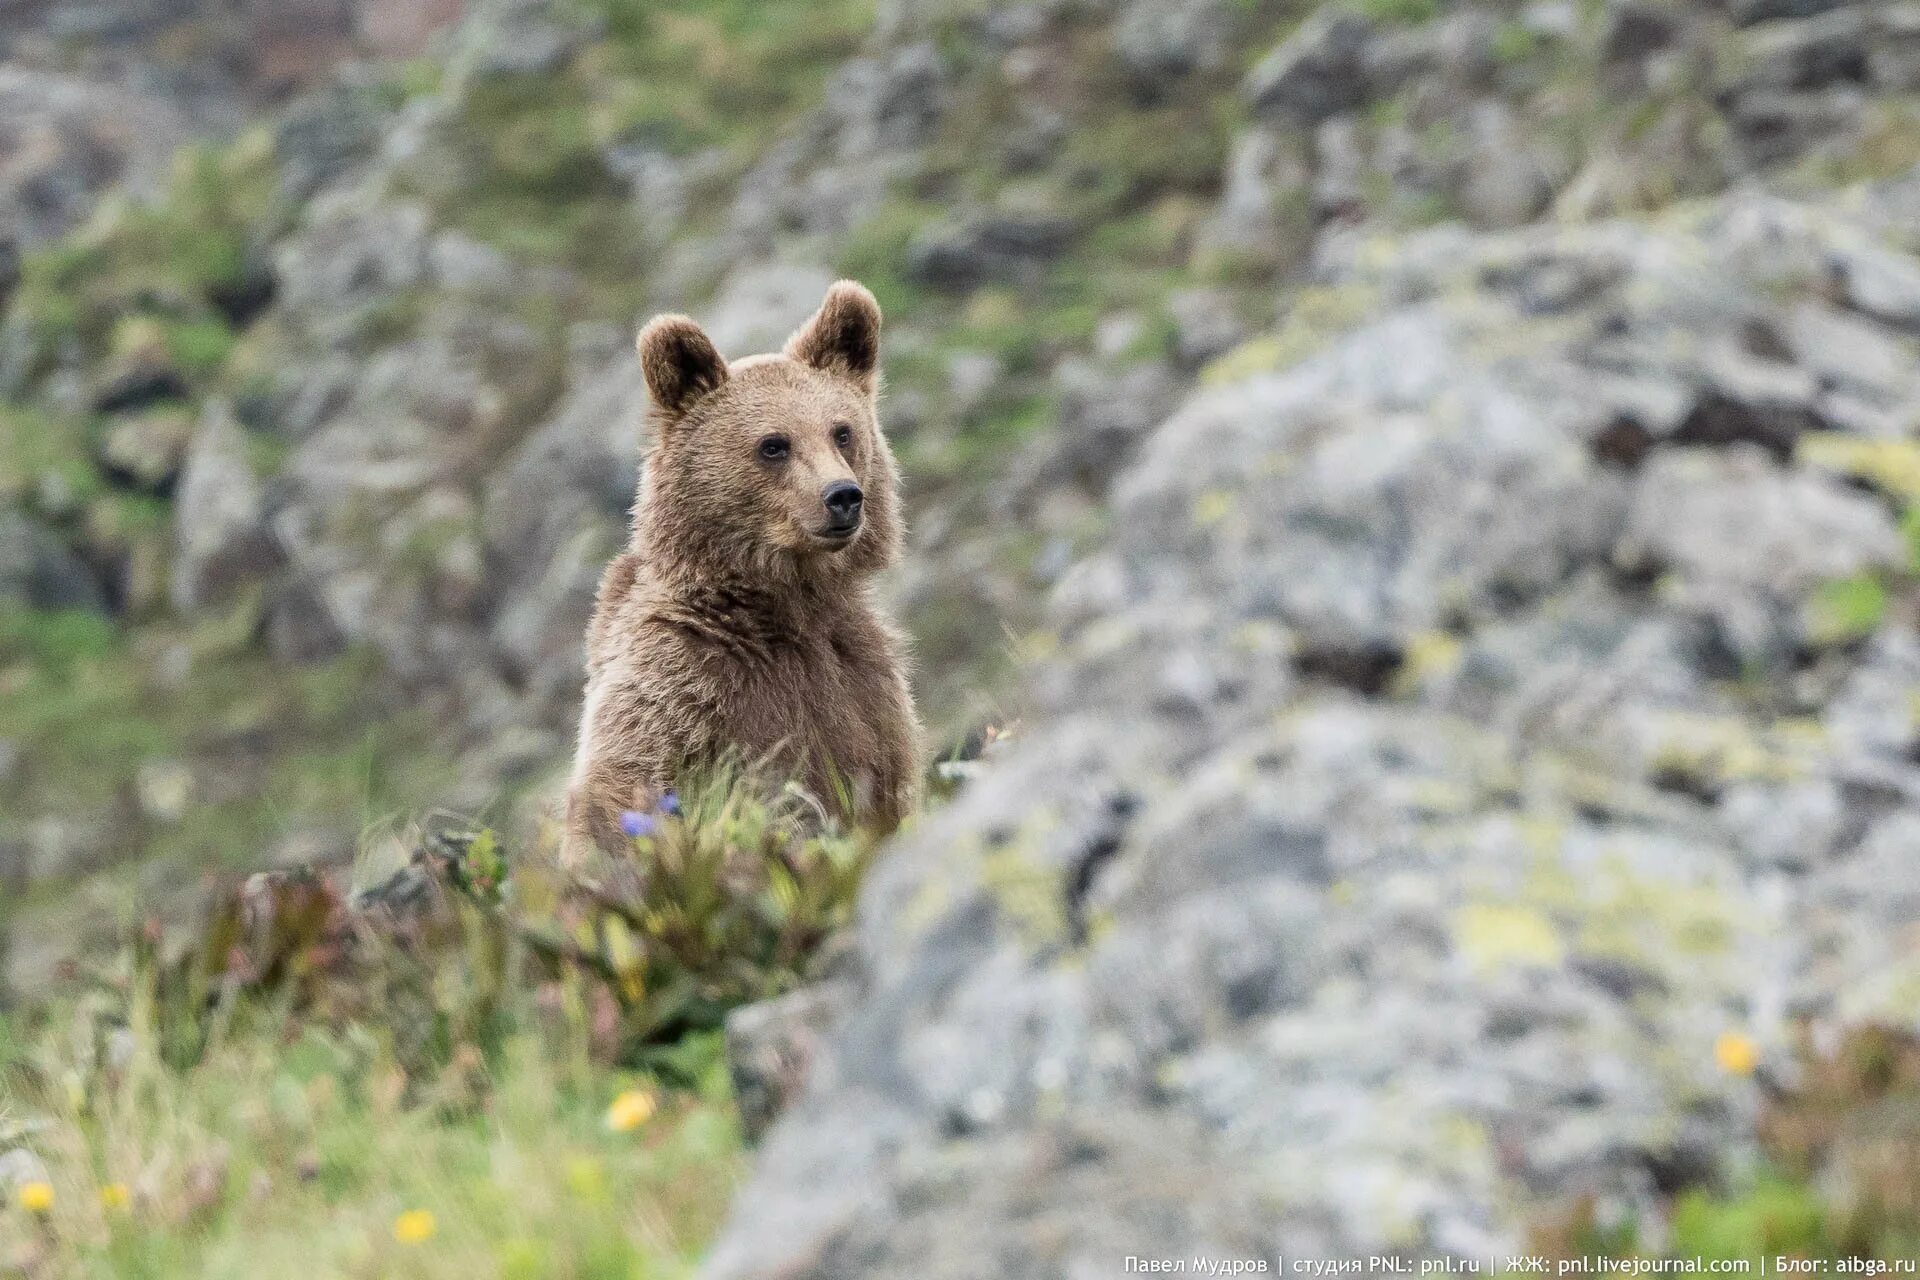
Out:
{"x": 843, "y": 337}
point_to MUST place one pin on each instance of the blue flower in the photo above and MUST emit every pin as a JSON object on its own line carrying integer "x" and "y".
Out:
{"x": 670, "y": 802}
{"x": 636, "y": 824}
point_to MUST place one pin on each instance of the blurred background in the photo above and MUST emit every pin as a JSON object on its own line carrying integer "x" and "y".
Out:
{"x": 1416, "y": 495}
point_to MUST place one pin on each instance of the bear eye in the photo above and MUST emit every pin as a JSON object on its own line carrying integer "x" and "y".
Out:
{"x": 775, "y": 448}
{"x": 842, "y": 434}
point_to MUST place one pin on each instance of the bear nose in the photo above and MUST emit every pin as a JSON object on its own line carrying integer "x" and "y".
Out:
{"x": 843, "y": 498}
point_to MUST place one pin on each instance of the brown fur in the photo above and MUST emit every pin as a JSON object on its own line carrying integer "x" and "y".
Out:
{"x": 729, "y": 625}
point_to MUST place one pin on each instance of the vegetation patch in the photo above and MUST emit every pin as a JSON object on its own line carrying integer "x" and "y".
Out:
{"x": 1838, "y": 1177}
{"x": 472, "y": 1065}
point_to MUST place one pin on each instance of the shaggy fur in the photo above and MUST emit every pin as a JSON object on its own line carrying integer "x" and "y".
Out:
{"x": 731, "y": 624}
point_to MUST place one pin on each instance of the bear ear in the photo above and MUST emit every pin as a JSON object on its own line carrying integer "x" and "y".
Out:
{"x": 843, "y": 336}
{"x": 680, "y": 362}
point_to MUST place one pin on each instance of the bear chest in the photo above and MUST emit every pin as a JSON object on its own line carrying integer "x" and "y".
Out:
{"x": 824, "y": 697}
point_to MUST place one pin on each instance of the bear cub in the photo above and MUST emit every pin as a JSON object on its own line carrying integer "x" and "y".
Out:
{"x": 740, "y": 620}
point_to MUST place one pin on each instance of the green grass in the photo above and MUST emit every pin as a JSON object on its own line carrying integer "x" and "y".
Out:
{"x": 522, "y": 1075}
{"x": 172, "y": 261}
{"x": 294, "y": 1149}
{"x": 90, "y": 706}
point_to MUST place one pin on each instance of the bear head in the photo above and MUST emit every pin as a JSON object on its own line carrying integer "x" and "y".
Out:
{"x": 772, "y": 465}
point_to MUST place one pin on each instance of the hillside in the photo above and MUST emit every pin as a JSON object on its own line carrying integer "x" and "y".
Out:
{"x": 1432, "y": 484}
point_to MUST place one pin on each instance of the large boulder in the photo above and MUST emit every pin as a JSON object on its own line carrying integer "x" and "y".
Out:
{"x": 1421, "y": 783}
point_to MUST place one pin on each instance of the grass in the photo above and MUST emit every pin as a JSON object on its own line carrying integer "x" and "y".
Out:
{"x": 180, "y": 262}
{"x": 483, "y": 1067}
{"x": 1837, "y": 1179}
{"x": 302, "y": 1153}
{"x": 92, "y": 708}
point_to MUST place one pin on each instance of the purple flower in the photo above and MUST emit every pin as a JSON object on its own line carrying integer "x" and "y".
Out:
{"x": 636, "y": 824}
{"x": 670, "y": 802}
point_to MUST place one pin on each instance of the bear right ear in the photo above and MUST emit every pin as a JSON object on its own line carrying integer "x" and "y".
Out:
{"x": 680, "y": 362}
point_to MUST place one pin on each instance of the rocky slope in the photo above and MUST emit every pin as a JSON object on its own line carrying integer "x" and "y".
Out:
{"x": 1467, "y": 725}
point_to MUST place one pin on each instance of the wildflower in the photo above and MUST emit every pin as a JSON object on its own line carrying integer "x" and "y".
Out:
{"x": 670, "y": 802}
{"x": 630, "y": 1110}
{"x": 636, "y": 824}
{"x": 114, "y": 1196}
{"x": 415, "y": 1226}
{"x": 1737, "y": 1054}
{"x": 36, "y": 1197}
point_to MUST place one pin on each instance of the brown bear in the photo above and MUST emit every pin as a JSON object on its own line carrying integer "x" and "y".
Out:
{"x": 741, "y": 619}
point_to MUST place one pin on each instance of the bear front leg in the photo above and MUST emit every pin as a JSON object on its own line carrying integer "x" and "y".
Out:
{"x": 620, "y": 764}
{"x": 896, "y": 783}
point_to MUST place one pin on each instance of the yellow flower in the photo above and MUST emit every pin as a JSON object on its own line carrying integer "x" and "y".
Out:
{"x": 630, "y": 1110}
{"x": 36, "y": 1197}
{"x": 1737, "y": 1054}
{"x": 415, "y": 1226}
{"x": 114, "y": 1195}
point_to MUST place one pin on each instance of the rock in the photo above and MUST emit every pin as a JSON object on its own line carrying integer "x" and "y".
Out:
{"x": 1160, "y": 42}
{"x": 966, "y": 254}
{"x": 221, "y": 538}
{"x": 771, "y": 1047}
{"x": 888, "y": 103}
{"x": 146, "y": 452}
{"x": 555, "y": 514}
{"x": 1746, "y": 542}
{"x": 1260, "y": 216}
{"x": 1635, "y": 30}
{"x": 1205, "y": 325}
{"x": 1880, "y": 282}
{"x": 1382, "y": 704}
{"x": 353, "y": 254}
{"x": 1317, "y": 72}
{"x": 1506, "y": 181}
{"x": 38, "y": 569}
{"x": 760, "y": 305}
{"x": 515, "y": 38}
{"x": 1812, "y": 53}
{"x": 1894, "y": 58}
{"x": 321, "y": 135}
{"x": 1771, "y": 128}
{"x": 1103, "y": 415}
{"x": 301, "y": 627}
{"x": 68, "y": 140}
{"x": 1748, "y": 12}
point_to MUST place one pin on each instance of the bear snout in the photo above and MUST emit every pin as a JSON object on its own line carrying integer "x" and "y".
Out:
{"x": 842, "y": 500}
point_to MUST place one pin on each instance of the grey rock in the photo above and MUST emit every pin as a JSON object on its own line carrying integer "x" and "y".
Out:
{"x": 1747, "y": 12}
{"x": 1259, "y": 215}
{"x": 145, "y": 452}
{"x": 554, "y": 515}
{"x": 1206, "y": 324}
{"x": 1317, "y": 72}
{"x": 1635, "y": 30}
{"x": 1364, "y": 724}
{"x": 221, "y": 538}
{"x": 890, "y": 102}
{"x": 761, "y": 304}
{"x": 1772, "y": 127}
{"x": 323, "y": 134}
{"x": 1881, "y": 282}
{"x": 353, "y": 254}
{"x": 1160, "y": 42}
{"x": 38, "y": 569}
{"x": 771, "y": 1047}
{"x": 965, "y": 254}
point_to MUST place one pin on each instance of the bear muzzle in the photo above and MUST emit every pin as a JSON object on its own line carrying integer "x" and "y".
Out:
{"x": 842, "y": 500}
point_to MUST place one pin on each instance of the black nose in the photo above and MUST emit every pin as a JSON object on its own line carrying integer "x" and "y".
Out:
{"x": 843, "y": 498}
